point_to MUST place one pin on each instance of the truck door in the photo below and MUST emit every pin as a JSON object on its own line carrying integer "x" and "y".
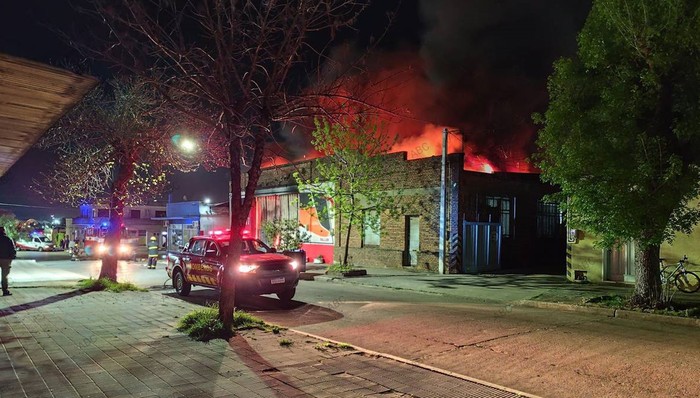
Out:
{"x": 195, "y": 254}
{"x": 211, "y": 263}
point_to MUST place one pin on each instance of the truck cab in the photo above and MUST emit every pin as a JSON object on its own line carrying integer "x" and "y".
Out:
{"x": 261, "y": 270}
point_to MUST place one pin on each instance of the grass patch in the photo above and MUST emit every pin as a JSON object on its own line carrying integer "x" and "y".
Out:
{"x": 243, "y": 321}
{"x": 339, "y": 268}
{"x": 327, "y": 345}
{"x": 671, "y": 309}
{"x": 286, "y": 343}
{"x": 615, "y": 301}
{"x": 204, "y": 324}
{"x": 108, "y": 285}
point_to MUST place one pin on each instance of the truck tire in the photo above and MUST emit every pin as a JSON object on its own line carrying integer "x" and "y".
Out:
{"x": 182, "y": 287}
{"x": 286, "y": 296}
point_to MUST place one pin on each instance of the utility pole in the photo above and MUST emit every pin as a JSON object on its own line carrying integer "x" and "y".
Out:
{"x": 443, "y": 205}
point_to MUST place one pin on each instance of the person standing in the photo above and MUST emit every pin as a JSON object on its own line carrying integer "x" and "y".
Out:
{"x": 152, "y": 251}
{"x": 7, "y": 254}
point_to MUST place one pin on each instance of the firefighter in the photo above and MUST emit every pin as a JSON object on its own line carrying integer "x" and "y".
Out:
{"x": 152, "y": 251}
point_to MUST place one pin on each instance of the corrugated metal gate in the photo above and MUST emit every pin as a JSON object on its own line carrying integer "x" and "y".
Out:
{"x": 481, "y": 246}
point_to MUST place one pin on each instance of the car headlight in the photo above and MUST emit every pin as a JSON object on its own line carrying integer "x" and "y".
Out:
{"x": 101, "y": 249}
{"x": 294, "y": 264}
{"x": 124, "y": 249}
{"x": 246, "y": 268}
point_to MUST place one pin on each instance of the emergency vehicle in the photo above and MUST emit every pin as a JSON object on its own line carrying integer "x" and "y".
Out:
{"x": 261, "y": 270}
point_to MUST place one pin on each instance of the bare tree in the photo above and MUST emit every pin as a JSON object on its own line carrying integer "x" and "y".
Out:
{"x": 114, "y": 149}
{"x": 240, "y": 67}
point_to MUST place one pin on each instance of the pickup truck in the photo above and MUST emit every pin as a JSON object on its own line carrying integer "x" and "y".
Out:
{"x": 40, "y": 243}
{"x": 261, "y": 269}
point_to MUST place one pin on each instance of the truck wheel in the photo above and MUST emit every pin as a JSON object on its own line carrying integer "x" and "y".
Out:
{"x": 286, "y": 296}
{"x": 182, "y": 287}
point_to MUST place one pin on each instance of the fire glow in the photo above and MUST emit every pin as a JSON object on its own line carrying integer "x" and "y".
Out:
{"x": 399, "y": 84}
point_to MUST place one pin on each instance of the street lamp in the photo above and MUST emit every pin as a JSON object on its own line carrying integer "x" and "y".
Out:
{"x": 186, "y": 144}
{"x": 207, "y": 200}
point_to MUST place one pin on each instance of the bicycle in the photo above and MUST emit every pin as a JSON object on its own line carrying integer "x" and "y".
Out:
{"x": 685, "y": 281}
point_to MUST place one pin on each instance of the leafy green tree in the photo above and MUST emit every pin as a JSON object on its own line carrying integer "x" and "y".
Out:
{"x": 620, "y": 136}
{"x": 9, "y": 221}
{"x": 285, "y": 234}
{"x": 352, "y": 175}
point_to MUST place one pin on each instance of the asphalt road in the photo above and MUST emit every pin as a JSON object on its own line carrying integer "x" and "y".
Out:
{"x": 545, "y": 352}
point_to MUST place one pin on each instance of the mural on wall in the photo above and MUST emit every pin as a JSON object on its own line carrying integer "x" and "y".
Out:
{"x": 317, "y": 221}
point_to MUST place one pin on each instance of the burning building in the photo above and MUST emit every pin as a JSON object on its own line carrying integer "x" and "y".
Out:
{"x": 494, "y": 220}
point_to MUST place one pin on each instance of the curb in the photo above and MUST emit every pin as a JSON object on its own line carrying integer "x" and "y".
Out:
{"x": 420, "y": 365}
{"x": 613, "y": 313}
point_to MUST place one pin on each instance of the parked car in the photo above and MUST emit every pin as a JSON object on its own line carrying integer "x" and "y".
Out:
{"x": 261, "y": 269}
{"x": 40, "y": 243}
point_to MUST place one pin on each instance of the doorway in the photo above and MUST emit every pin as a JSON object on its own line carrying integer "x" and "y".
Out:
{"x": 412, "y": 241}
{"x": 619, "y": 263}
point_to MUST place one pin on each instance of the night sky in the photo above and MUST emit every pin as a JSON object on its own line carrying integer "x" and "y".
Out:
{"x": 481, "y": 66}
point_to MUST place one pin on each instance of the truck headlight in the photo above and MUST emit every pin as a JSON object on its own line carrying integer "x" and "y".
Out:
{"x": 124, "y": 249}
{"x": 294, "y": 264}
{"x": 246, "y": 268}
{"x": 101, "y": 249}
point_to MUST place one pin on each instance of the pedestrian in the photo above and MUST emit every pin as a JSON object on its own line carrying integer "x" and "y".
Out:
{"x": 7, "y": 254}
{"x": 152, "y": 251}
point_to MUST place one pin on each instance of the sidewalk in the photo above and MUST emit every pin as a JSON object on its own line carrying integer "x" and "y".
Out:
{"x": 542, "y": 291}
{"x": 58, "y": 342}
{"x": 487, "y": 288}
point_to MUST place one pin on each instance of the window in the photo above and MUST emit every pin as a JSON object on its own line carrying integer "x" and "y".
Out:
{"x": 102, "y": 212}
{"x": 549, "y": 219}
{"x": 370, "y": 229}
{"x": 161, "y": 213}
{"x": 136, "y": 214}
{"x": 500, "y": 211}
{"x": 212, "y": 250}
{"x": 197, "y": 247}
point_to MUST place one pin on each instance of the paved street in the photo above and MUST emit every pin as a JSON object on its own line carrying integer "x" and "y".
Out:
{"x": 468, "y": 325}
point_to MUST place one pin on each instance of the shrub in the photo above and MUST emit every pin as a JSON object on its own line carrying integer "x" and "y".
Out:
{"x": 204, "y": 324}
{"x": 339, "y": 268}
{"x": 108, "y": 285}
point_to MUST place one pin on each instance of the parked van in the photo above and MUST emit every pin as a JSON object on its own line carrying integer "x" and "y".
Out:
{"x": 40, "y": 243}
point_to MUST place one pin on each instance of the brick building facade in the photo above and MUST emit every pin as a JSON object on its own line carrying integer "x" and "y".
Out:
{"x": 505, "y": 208}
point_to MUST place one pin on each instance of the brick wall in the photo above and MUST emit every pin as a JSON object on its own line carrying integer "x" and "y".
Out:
{"x": 418, "y": 181}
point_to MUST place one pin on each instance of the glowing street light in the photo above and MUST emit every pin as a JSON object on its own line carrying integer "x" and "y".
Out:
{"x": 207, "y": 200}
{"x": 185, "y": 144}
{"x": 188, "y": 145}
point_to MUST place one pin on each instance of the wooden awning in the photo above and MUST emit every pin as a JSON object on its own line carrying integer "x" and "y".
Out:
{"x": 33, "y": 96}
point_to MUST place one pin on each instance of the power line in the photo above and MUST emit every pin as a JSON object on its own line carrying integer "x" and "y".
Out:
{"x": 19, "y": 205}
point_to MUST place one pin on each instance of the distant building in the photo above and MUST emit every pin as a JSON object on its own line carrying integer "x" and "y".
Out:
{"x": 183, "y": 220}
{"x": 139, "y": 222}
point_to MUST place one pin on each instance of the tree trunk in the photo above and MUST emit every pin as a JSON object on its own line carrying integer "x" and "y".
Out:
{"x": 227, "y": 297}
{"x": 112, "y": 239}
{"x": 240, "y": 209}
{"x": 647, "y": 287}
{"x": 347, "y": 240}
